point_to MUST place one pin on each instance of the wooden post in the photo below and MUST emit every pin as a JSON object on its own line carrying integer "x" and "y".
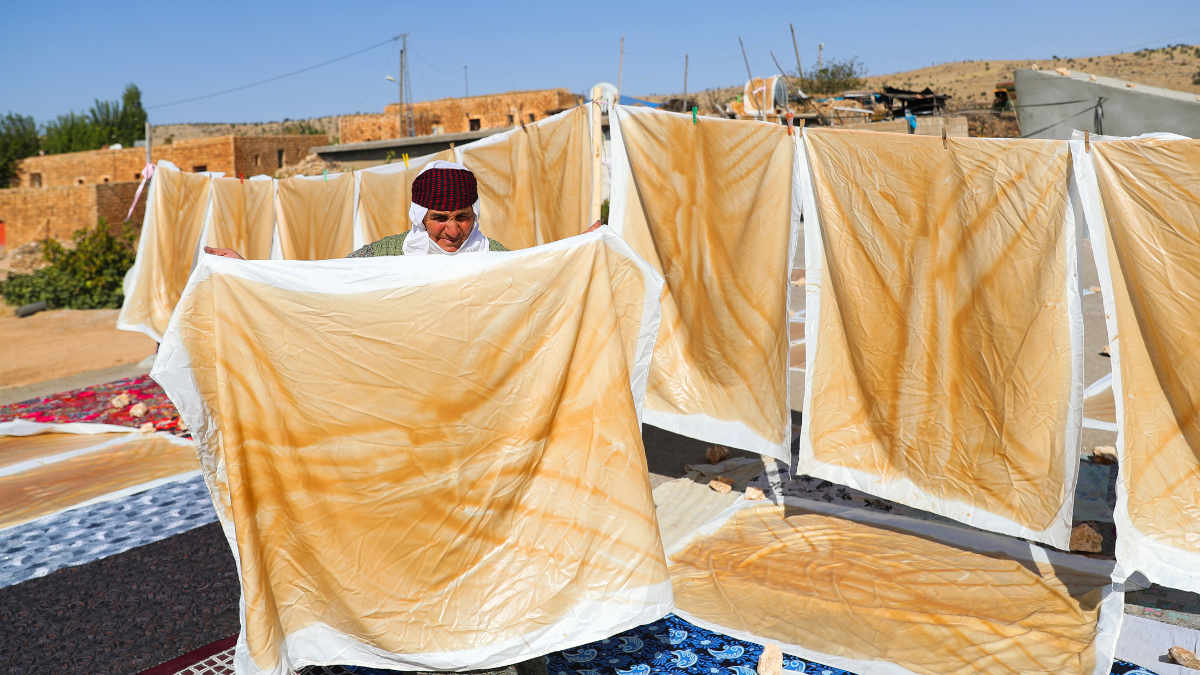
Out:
{"x": 597, "y": 155}
{"x": 761, "y": 114}
{"x": 685, "y": 66}
{"x": 799, "y": 70}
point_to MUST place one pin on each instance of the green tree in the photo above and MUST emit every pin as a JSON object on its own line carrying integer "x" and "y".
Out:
{"x": 834, "y": 77}
{"x": 72, "y": 133}
{"x": 18, "y": 140}
{"x": 131, "y": 122}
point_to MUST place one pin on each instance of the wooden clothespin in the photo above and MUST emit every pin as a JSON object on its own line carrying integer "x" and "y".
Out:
{"x": 944, "y": 143}
{"x": 451, "y": 145}
{"x": 1087, "y": 141}
{"x": 695, "y": 115}
{"x": 789, "y": 119}
{"x": 522, "y": 125}
{"x": 405, "y": 156}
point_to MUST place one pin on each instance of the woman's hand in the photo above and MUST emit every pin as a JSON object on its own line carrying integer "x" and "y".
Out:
{"x": 595, "y": 226}
{"x": 223, "y": 252}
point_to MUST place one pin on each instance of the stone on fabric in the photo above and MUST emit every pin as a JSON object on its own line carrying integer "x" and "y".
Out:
{"x": 717, "y": 454}
{"x": 771, "y": 661}
{"x": 1104, "y": 454}
{"x": 1086, "y": 539}
{"x": 1184, "y": 657}
{"x": 721, "y": 484}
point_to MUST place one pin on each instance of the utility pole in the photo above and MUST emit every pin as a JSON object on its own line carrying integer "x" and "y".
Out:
{"x": 407, "y": 127}
{"x": 820, "y": 62}
{"x": 466, "y": 83}
{"x": 148, "y": 160}
{"x": 400, "y": 112}
{"x": 747, "y": 60}
{"x": 685, "y": 66}
{"x": 620, "y": 69}
{"x": 799, "y": 69}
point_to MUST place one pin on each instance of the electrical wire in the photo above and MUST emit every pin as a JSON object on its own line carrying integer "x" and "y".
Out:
{"x": 273, "y": 79}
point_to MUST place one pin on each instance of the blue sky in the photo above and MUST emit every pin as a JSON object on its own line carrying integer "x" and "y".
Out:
{"x": 59, "y": 56}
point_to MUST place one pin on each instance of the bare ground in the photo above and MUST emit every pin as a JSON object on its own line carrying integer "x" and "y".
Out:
{"x": 64, "y": 342}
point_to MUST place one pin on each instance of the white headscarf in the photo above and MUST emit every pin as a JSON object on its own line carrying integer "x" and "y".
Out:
{"x": 418, "y": 242}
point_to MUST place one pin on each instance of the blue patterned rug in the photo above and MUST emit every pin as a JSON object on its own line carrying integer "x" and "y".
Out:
{"x": 672, "y": 645}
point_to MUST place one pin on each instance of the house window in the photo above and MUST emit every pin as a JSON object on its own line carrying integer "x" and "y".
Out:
{"x": 199, "y": 168}
{"x": 475, "y": 126}
{"x": 137, "y": 176}
{"x": 35, "y": 180}
{"x": 106, "y": 179}
{"x": 530, "y": 117}
{"x": 79, "y": 181}
{"x": 279, "y": 158}
{"x": 510, "y": 120}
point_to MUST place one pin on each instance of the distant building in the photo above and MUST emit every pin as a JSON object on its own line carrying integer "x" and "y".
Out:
{"x": 55, "y": 195}
{"x": 459, "y": 115}
{"x": 232, "y": 155}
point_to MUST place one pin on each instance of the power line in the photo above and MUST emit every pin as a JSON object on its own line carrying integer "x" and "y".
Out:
{"x": 276, "y": 78}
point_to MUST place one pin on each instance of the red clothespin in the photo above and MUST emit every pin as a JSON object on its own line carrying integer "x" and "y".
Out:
{"x": 242, "y": 177}
{"x": 789, "y": 119}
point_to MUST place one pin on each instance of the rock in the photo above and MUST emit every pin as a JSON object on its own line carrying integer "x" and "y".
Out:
{"x": 754, "y": 494}
{"x": 798, "y": 282}
{"x": 1085, "y": 539}
{"x": 771, "y": 661}
{"x": 138, "y": 410}
{"x": 1104, "y": 454}
{"x": 717, "y": 454}
{"x": 120, "y": 401}
{"x": 1094, "y": 289}
{"x": 1104, "y": 351}
{"x": 1184, "y": 657}
{"x": 147, "y": 428}
{"x": 1063, "y": 71}
{"x": 721, "y": 484}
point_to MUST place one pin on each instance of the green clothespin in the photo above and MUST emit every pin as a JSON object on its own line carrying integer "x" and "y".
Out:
{"x": 325, "y": 172}
{"x": 695, "y": 115}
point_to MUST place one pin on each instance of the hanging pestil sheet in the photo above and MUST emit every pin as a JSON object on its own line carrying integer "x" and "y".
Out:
{"x": 534, "y": 181}
{"x": 430, "y": 462}
{"x": 944, "y": 332}
{"x": 1141, "y": 200}
{"x": 315, "y": 216}
{"x": 878, "y": 594}
{"x": 715, "y": 207}
{"x": 243, "y": 216}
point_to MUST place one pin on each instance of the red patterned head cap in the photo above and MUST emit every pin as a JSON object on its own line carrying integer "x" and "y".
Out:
{"x": 445, "y": 189}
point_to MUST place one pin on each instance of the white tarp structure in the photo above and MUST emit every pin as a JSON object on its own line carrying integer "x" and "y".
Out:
{"x": 1141, "y": 200}
{"x": 714, "y": 206}
{"x": 426, "y": 462}
{"x": 944, "y": 332}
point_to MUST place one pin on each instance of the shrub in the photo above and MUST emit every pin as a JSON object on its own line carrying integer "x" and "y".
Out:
{"x": 88, "y": 276}
{"x": 834, "y": 77}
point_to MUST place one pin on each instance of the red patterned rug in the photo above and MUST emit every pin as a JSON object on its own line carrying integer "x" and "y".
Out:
{"x": 91, "y": 404}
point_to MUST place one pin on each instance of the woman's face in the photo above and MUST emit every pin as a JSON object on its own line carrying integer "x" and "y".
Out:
{"x": 449, "y": 229}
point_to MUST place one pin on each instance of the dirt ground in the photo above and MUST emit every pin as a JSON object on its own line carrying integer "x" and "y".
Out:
{"x": 64, "y": 342}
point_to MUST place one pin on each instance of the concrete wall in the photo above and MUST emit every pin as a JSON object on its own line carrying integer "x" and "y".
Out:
{"x": 229, "y": 154}
{"x": 454, "y": 115}
{"x": 1128, "y": 110}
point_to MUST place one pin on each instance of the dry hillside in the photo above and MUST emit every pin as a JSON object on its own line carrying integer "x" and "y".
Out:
{"x": 183, "y": 132}
{"x": 971, "y": 83}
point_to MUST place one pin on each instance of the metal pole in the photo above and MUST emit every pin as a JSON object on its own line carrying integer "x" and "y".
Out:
{"x": 620, "y": 69}
{"x": 400, "y": 111}
{"x": 820, "y": 62}
{"x": 685, "y": 67}
{"x": 747, "y": 60}
{"x": 787, "y": 90}
{"x": 148, "y": 160}
{"x": 597, "y": 152}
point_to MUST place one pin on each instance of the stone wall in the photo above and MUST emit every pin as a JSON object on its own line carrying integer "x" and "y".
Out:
{"x": 455, "y": 115}
{"x": 229, "y": 154}
{"x": 32, "y": 214}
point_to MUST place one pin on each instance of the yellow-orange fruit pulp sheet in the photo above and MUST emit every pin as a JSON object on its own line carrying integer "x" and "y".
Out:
{"x": 871, "y": 597}
{"x": 168, "y": 244}
{"x": 427, "y": 462}
{"x": 385, "y": 193}
{"x": 534, "y": 182}
{"x": 711, "y": 206}
{"x": 943, "y": 327}
{"x": 129, "y": 461}
{"x": 1145, "y": 223}
{"x": 315, "y": 216}
{"x": 243, "y": 217}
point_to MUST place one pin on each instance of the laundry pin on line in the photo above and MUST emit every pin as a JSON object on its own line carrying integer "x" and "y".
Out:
{"x": 1087, "y": 141}
{"x": 944, "y": 143}
{"x": 405, "y": 157}
{"x": 695, "y": 115}
{"x": 789, "y": 120}
{"x": 325, "y": 172}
